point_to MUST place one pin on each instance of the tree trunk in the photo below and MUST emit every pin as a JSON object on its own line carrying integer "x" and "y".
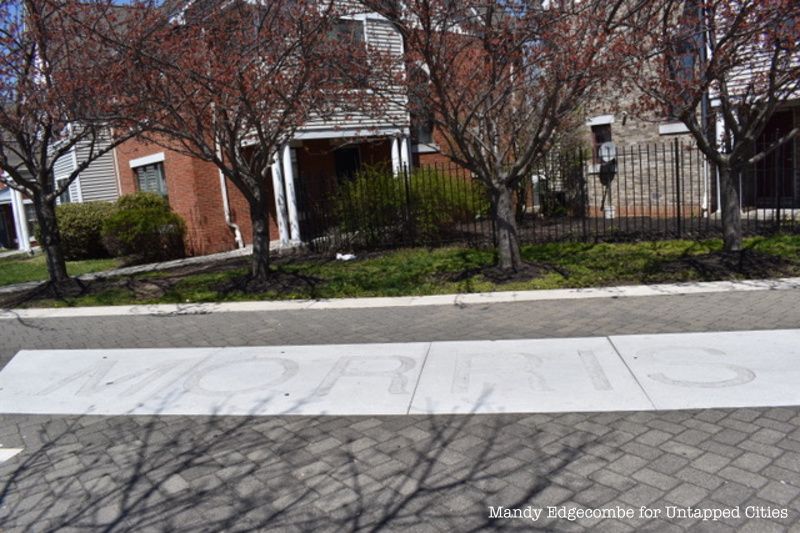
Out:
{"x": 51, "y": 240}
{"x": 731, "y": 211}
{"x": 505, "y": 223}
{"x": 259, "y": 262}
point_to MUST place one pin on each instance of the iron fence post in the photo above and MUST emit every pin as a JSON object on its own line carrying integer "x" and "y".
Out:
{"x": 678, "y": 210}
{"x": 584, "y": 200}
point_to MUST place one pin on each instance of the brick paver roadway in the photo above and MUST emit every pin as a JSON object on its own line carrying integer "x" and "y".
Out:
{"x": 416, "y": 473}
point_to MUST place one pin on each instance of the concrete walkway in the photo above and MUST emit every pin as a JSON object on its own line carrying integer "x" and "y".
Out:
{"x": 672, "y": 470}
{"x": 150, "y": 267}
{"x": 617, "y": 373}
{"x": 138, "y": 269}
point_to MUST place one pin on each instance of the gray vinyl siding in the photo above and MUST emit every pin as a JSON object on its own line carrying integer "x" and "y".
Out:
{"x": 63, "y": 168}
{"x": 380, "y": 35}
{"x": 99, "y": 180}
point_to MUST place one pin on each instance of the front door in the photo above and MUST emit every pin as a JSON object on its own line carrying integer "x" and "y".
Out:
{"x": 774, "y": 183}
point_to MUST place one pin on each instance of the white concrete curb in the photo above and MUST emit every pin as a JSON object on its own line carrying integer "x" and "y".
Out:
{"x": 482, "y": 298}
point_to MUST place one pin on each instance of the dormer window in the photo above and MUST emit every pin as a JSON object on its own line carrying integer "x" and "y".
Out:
{"x": 351, "y": 33}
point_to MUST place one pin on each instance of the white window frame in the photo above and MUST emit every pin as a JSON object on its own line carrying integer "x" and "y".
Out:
{"x": 672, "y": 127}
{"x": 165, "y": 191}
{"x": 600, "y": 120}
{"x": 147, "y": 160}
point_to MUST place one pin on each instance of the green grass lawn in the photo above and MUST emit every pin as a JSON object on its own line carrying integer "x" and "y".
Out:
{"x": 450, "y": 270}
{"x": 20, "y": 269}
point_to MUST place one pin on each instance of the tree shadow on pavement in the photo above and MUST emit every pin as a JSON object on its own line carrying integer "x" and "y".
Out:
{"x": 291, "y": 473}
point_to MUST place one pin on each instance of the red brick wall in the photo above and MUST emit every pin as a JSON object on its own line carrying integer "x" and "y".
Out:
{"x": 437, "y": 158}
{"x": 194, "y": 193}
{"x": 317, "y": 164}
{"x": 240, "y": 212}
{"x": 194, "y": 190}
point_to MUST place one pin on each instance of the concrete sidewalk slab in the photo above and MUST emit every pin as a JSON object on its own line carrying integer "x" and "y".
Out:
{"x": 543, "y": 375}
{"x": 640, "y": 372}
{"x": 338, "y": 379}
{"x": 735, "y": 369}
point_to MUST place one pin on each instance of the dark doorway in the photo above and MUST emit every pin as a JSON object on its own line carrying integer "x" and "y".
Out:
{"x": 774, "y": 175}
{"x": 8, "y": 233}
{"x": 348, "y": 162}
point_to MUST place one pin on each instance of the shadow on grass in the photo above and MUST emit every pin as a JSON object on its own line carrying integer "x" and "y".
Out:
{"x": 748, "y": 264}
{"x": 160, "y": 473}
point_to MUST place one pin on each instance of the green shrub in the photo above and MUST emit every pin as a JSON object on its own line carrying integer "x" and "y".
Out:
{"x": 81, "y": 228}
{"x": 441, "y": 201}
{"x": 378, "y": 207}
{"x": 142, "y": 200}
{"x": 144, "y": 229}
{"x": 371, "y": 205}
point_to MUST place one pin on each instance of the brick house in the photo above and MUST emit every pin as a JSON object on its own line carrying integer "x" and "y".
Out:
{"x": 772, "y": 182}
{"x": 647, "y": 144}
{"x": 321, "y": 151}
{"x": 217, "y": 215}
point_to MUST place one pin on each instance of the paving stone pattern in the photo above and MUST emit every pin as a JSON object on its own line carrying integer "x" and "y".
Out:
{"x": 412, "y": 473}
{"x": 559, "y": 318}
{"x": 409, "y": 473}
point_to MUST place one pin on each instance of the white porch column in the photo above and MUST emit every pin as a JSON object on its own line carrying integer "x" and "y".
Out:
{"x": 280, "y": 199}
{"x": 291, "y": 196}
{"x": 20, "y": 221}
{"x": 720, "y": 139}
{"x": 396, "y": 162}
{"x": 405, "y": 154}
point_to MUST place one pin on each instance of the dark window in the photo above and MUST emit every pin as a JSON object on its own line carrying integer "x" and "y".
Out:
{"x": 65, "y": 198}
{"x": 600, "y": 134}
{"x": 348, "y": 162}
{"x": 355, "y": 73}
{"x": 150, "y": 178}
{"x": 683, "y": 56}
{"x": 349, "y": 31}
{"x": 421, "y": 114}
{"x": 422, "y": 129}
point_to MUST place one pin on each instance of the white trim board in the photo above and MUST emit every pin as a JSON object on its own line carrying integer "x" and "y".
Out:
{"x": 672, "y": 128}
{"x": 479, "y": 298}
{"x": 618, "y": 373}
{"x": 600, "y": 120}
{"x": 147, "y": 160}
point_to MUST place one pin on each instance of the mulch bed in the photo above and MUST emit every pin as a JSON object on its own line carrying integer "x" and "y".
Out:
{"x": 717, "y": 266}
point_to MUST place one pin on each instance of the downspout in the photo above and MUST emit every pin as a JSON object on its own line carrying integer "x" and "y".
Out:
{"x": 237, "y": 233}
{"x": 116, "y": 169}
{"x": 704, "y": 111}
{"x": 226, "y": 205}
{"x": 223, "y": 183}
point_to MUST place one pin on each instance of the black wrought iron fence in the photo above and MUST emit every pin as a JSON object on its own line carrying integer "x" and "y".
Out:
{"x": 649, "y": 191}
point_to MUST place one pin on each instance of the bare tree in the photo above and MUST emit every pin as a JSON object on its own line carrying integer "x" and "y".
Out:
{"x": 232, "y": 84}
{"x": 504, "y": 77}
{"x": 742, "y": 57}
{"x": 59, "y": 91}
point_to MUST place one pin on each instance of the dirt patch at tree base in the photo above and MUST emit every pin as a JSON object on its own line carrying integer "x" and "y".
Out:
{"x": 719, "y": 266}
{"x": 278, "y": 282}
{"x": 528, "y": 271}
